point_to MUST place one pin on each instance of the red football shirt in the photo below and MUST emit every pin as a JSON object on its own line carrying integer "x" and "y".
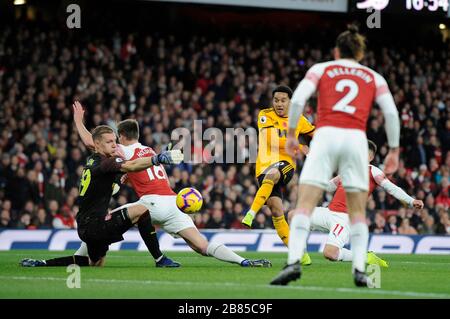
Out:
{"x": 339, "y": 202}
{"x": 152, "y": 181}
{"x": 346, "y": 92}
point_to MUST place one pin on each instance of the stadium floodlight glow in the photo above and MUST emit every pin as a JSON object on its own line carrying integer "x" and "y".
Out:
{"x": 19, "y": 2}
{"x": 442, "y": 26}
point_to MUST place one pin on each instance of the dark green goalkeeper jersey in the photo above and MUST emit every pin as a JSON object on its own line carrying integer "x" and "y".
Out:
{"x": 96, "y": 186}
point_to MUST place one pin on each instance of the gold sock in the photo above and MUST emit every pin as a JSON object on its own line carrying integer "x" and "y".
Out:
{"x": 262, "y": 195}
{"x": 282, "y": 228}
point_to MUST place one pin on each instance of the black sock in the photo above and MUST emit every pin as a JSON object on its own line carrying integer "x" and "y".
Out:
{"x": 69, "y": 260}
{"x": 148, "y": 234}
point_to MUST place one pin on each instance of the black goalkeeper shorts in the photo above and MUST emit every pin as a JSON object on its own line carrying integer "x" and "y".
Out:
{"x": 99, "y": 232}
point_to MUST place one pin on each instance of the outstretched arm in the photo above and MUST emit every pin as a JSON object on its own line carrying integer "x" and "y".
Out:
{"x": 139, "y": 164}
{"x": 394, "y": 190}
{"x": 85, "y": 135}
{"x": 115, "y": 164}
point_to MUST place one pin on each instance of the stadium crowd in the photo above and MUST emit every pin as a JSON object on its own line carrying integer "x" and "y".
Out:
{"x": 166, "y": 82}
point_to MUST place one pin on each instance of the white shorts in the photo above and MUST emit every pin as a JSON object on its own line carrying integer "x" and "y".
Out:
{"x": 165, "y": 213}
{"x": 344, "y": 151}
{"x": 337, "y": 226}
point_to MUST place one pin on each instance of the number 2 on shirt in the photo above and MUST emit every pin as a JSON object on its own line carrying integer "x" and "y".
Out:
{"x": 344, "y": 104}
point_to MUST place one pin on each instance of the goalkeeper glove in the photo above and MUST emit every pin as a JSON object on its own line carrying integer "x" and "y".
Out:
{"x": 168, "y": 157}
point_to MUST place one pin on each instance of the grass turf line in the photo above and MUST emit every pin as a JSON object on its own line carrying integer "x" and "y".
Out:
{"x": 132, "y": 274}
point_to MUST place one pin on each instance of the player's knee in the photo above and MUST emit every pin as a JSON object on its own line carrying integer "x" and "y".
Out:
{"x": 331, "y": 253}
{"x": 273, "y": 175}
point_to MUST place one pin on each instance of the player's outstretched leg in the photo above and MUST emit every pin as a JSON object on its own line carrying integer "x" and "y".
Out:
{"x": 56, "y": 262}
{"x": 262, "y": 195}
{"x": 219, "y": 251}
{"x": 80, "y": 258}
{"x": 335, "y": 253}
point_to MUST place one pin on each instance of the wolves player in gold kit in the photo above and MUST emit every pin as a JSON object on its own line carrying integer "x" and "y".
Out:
{"x": 274, "y": 167}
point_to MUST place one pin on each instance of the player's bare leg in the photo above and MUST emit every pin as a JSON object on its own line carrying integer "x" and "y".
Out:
{"x": 219, "y": 251}
{"x": 359, "y": 235}
{"x": 334, "y": 253}
{"x": 262, "y": 195}
{"x": 308, "y": 197}
{"x": 135, "y": 212}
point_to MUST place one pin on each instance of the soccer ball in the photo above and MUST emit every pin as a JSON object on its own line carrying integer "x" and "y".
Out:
{"x": 189, "y": 200}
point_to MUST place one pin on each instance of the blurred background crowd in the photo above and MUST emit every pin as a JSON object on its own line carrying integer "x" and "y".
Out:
{"x": 165, "y": 81}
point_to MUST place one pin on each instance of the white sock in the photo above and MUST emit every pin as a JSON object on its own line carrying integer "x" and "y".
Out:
{"x": 251, "y": 213}
{"x": 223, "y": 253}
{"x": 345, "y": 255}
{"x": 299, "y": 232}
{"x": 82, "y": 251}
{"x": 359, "y": 240}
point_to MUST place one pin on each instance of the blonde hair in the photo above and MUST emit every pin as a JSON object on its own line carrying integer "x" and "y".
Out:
{"x": 100, "y": 130}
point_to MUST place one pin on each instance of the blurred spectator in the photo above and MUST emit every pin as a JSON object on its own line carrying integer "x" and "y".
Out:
{"x": 406, "y": 229}
{"x": 5, "y": 219}
{"x": 53, "y": 208}
{"x": 371, "y": 211}
{"x": 428, "y": 227}
{"x": 64, "y": 220}
{"x": 216, "y": 220}
{"x": 24, "y": 222}
{"x": 165, "y": 82}
{"x": 392, "y": 226}
{"x": 42, "y": 219}
{"x": 53, "y": 189}
{"x": 379, "y": 226}
{"x": 443, "y": 228}
{"x": 261, "y": 222}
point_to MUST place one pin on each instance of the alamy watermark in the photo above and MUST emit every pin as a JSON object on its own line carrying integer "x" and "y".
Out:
{"x": 374, "y": 8}
{"x": 374, "y": 19}
{"x": 229, "y": 145}
{"x": 74, "y": 277}
{"x": 374, "y": 274}
{"x": 215, "y": 145}
{"x": 73, "y": 21}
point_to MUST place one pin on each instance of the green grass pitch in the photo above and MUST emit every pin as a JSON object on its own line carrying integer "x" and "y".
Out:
{"x": 132, "y": 274}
